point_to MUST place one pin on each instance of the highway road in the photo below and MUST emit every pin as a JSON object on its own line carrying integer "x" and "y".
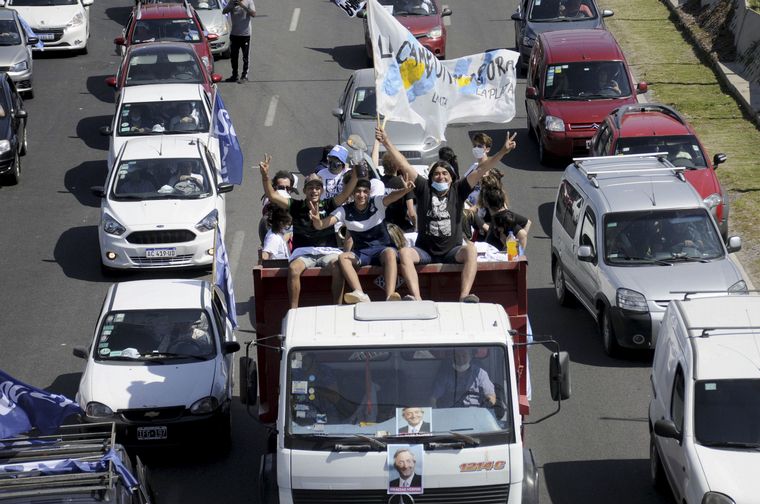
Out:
{"x": 594, "y": 450}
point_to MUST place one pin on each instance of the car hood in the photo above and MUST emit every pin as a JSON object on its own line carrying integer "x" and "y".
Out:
{"x": 166, "y": 213}
{"x": 52, "y": 16}
{"x": 656, "y": 282}
{"x": 419, "y": 25}
{"x": 211, "y": 17}
{"x": 405, "y": 136}
{"x": 584, "y": 111}
{"x": 703, "y": 181}
{"x": 731, "y": 472}
{"x": 10, "y": 55}
{"x": 121, "y": 386}
{"x": 580, "y": 24}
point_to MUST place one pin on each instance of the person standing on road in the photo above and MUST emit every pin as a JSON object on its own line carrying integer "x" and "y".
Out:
{"x": 241, "y": 12}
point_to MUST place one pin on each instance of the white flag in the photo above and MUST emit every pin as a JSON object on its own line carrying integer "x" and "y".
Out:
{"x": 350, "y": 7}
{"x": 413, "y": 86}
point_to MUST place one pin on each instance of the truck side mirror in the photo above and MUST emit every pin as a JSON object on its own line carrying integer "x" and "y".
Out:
{"x": 80, "y": 352}
{"x": 224, "y": 187}
{"x": 734, "y": 244}
{"x": 119, "y": 41}
{"x": 607, "y": 13}
{"x": 362, "y": 14}
{"x": 249, "y": 383}
{"x": 111, "y": 81}
{"x": 516, "y": 16}
{"x": 230, "y": 347}
{"x": 446, "y": 12}
{"x": 105, "y": 130}
{"x": 719, "y": 158}
{"x": 559, "y": 376}
{"x": 531, "y": 93}
{"x": 338, "y": 112}
{"x": 98, "y": 191}
{"x": 585, "y": 253}
{"x": 642, "y": 87}
{"x": 667, "y": 429}
{"x": 20, "y": 114}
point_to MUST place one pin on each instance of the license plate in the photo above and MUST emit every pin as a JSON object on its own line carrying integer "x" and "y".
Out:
{"x": 161, "y": 252}
{"x": 46, "y": 36}
{"x": 588, "y": 144}
{"x": 151, "y": 433}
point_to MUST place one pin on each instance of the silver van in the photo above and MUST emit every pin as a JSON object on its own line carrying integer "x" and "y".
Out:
{"x": 629, "y": 234}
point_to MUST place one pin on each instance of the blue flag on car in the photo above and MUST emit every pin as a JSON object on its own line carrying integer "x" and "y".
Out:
{"x": 23, "y": 407}
{"x": 30, "y": 33}
{"x": 229, "y": 147}
{"x": 223, "y": 277}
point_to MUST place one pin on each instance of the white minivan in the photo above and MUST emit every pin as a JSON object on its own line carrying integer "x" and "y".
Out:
{"x": 704, "y": 417}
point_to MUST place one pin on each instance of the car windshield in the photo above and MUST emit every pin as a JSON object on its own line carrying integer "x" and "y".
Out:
{"x": 159, "y": 65}
{"x": 146, "y": 335}
{"x": 174, "y": 30}
{"x": 161, "y": 118}
{"x": 204, "y": 4}
{"x": 40, "y": 3}
{"x": 588, "y": 80}
{"x": 364, "y": 104}
{"x": 9, "y": 35}
{"x": 543, "y": 11}
{"x": 727, "y": 412}
{"x": 660, "y": 237}
{"x": 410, "y": 7}
{"x": 683, "y": 150}
{"x": 398, "y": 391}
{"x": 161, "y": 178}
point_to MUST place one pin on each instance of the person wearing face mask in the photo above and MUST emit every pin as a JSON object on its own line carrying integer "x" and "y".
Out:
{"x": 440, "y": 201}
{"x": 332, "y": 174}
{"x": 463, "y": 384}
{"x": 481, "y": 145}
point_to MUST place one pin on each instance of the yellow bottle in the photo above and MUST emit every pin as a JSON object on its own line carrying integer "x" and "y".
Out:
{"x": 511, "y": 247}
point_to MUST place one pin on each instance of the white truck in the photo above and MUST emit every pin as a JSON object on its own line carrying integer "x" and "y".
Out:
{"x": 406, "y": 402}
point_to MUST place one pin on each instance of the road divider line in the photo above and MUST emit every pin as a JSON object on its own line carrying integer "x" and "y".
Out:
{"x": 294, "y": 19}
{"x": 447, "y": 19}
{"x": 271, "y": 111}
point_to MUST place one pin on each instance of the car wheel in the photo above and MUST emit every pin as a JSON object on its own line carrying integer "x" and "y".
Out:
{"x": 23, "y": 143}
{"x": 609, "y": 340}
{"x": 14, "y": 175}
{"x": 656, "y": 471}
{"x": 564, "y": 298}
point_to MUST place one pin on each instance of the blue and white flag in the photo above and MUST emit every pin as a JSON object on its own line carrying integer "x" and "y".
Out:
{"x": 223, "y": 276}
{"x": 350, "y": 7}
{"x": 23, "y": 407}
{"x": 30, "y": 33}
{"x": 229, "y": 147}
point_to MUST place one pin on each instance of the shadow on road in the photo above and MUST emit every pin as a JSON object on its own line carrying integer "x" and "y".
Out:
{"x": 77, "y": 253}
{"x": 97, "y": 87}
{"x": 350, "y": 57}
{"x": 81, "y": 178}
{"x": 545, "y": 214}
{"x": 88, "y": 131}
{"x": 119, "y": 14}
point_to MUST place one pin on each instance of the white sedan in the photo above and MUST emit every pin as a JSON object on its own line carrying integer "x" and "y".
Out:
{"x": 61, "y": 25}
{"x": 160, "y": 364}
{"x": 162, "y": 203}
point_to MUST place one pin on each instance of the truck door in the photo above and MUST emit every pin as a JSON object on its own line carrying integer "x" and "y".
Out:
{"x": 672, "y": 450}
{"x": 586, "y": 273}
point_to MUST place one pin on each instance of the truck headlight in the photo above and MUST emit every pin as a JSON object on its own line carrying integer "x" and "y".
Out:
{"x": 554, "y": 123}
{"x": 20, "y": 66}
{"x": 712, "y": 201}
{"x": 5, "y": 146}
{"x": 435, "y": 32}
{"x": 717, "y": 498}
{"x": 204, "y": 406}
{"x": 739, "y": 287}
{"x": 96, "y": 409}
{"x": 631, "y": 300}
{"x": 77, "y": 20}
{"x": 528, "y": 41}
{"x": 209, "y": 222}
{"x": 112, "y": 226}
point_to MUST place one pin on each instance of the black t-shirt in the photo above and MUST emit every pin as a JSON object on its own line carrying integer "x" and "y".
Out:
{"x": 396, "y": 212}
{"x": 304, "y": 234}
{"x": 439, "y": 220}
{"x": 516, "y": 222}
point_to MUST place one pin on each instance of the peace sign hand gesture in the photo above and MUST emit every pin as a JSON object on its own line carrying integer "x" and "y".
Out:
{"x": 264, "y": 166}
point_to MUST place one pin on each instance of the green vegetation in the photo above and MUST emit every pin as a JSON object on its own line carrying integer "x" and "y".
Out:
{"x": 660, "y": 55}
{"x": 754, "y": 4}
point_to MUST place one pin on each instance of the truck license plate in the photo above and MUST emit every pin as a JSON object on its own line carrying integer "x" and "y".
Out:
{"x": 46, "y": 36}
{"x": 151, "y": 433}
{"x": 161, "y": 252}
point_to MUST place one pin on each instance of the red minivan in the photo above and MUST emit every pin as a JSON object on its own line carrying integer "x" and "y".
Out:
{"x": 575, "y": 79}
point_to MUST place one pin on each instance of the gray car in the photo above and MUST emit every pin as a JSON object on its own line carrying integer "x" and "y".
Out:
{"x": 357, "y": 114}
{"x": 629, "y": 235}
{"x": 210, "y": 14}
{"x": 16, "y": 51}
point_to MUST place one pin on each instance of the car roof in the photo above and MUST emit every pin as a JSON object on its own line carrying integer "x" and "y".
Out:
{"x": 163, "y": 10}
{"x": 566, "y": 46}
{"x": 364, "y": 77}
{"x": 158, "y": 146}
{"x": 162, "y": 92}
{"x": 623, "y": 184}
{"x": 159, "y": 294}
{"x": 649, "y": 119}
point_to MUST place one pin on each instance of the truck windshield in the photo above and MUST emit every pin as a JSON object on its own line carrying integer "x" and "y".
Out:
{"x": 727, "y": 413}
{"x": 399, "y": 391}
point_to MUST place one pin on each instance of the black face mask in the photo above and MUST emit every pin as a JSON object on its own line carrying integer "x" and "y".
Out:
{"x": 335, "y": 165}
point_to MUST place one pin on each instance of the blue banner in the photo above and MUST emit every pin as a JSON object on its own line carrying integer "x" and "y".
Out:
{"x": 223, "y": 277}
{"x": 30, "y": 33}
{"x": 23, "y": 407}
{"x": 229, "y": 147}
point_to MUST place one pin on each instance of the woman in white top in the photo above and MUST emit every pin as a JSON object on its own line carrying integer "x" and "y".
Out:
{"x": 276, "y": 243}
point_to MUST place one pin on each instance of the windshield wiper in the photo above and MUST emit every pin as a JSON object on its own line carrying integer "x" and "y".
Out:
{"x": 349, "y": 444}
{"x": 171, "y": 355}
{"x": 452, "y": 440}
{"x": 731, "y": 444}
{"x": 681, "y": 256}
{"x": 647, "y": 260}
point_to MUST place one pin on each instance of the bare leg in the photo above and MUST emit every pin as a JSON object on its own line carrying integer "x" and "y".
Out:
{"x": 468, "y": 256}
{"x": 295, "y": 268}
{"x": 347, "y": 262}
{"x": 408, "y": 257}
{"x": 337, "y": 282}
{"x": 388, "y": 260}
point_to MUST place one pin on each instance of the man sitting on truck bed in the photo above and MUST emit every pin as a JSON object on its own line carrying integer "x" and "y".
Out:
{"x": 440, "y": 202}
{"x": 311, "y": 247}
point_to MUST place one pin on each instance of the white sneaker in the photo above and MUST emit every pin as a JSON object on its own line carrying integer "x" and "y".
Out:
{"x": 356, "y": 296}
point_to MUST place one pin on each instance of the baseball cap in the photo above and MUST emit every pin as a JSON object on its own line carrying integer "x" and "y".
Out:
{"x": 312, "y": 179}
{"x": 339, "y": 152}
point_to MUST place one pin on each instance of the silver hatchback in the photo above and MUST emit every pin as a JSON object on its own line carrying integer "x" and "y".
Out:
{"x": 16, "y": 51}
{"x": 629, "y": 235}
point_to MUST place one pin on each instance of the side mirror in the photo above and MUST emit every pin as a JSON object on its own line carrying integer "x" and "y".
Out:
{"x": 32, "y": 40}
{"x": 667, "y": 429}
{"x": 98, "y": 191}
{"x": 119, "y": 41}
{"x": 249, "y": 381}
{"x": 338, "y": 112}
{"x": 719, "y": 158}
{"x": 531, "y": 93}
{"x": 642, "y": 87}
{"x": 21, "y": 114}
{"x": 87, "y": 3}
{"x": 224, "y": 187}
{"x": 230, "y": 347}
{"x": 80, "y": 352}
{"x": 111, "y": 81}
{"x": 212, "y": 37}
{"x": 559, "y": 376}
{"x": 734, "y": 244}
{"x": 516, "y": 16}
{"x": 105, "y": 130}
{"x": 362, "y": 14}
{"x": 216, "y": 78}
{"x": 607, "y": 13}
{"x": 446, "y": 12}
{"x": 586, "y": 253}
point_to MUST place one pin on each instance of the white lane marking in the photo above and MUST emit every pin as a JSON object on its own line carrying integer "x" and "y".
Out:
{"x": 447, "y": 19}
{"x": 236, "y": 249}
{"x": 294, "y": 19}
{"x": 271, "y": 111}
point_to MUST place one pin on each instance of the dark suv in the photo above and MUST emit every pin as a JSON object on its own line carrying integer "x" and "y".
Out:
{"x": 12, "y": 130}
{"x": 652, "y": 127}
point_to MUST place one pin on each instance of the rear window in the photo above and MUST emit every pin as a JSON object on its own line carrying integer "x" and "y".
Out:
{"x": 683, "y": 150}
{"x": 162, "y": 67}
{"x": 587, "y": 81}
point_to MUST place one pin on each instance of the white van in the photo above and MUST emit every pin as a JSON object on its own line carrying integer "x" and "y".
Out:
{"x": 704, "y": 417}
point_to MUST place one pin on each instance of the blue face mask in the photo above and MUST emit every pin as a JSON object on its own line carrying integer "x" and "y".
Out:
{"x": 440, "y": 186}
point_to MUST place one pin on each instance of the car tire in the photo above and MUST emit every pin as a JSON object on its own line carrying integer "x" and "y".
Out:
{"x": 564, "y": 298}
{"x": 656, "y": 470}
{"x": 23, "y": 143}
{"x": 609, "y": 340}
{"x": 13, "y": 176}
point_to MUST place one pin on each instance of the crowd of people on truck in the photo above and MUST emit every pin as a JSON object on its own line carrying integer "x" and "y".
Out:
{"x": 350, "y": 218}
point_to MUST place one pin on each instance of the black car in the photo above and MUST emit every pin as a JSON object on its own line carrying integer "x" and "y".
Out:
{"x": 12, "y": 131}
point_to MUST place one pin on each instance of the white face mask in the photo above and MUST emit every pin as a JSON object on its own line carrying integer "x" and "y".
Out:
{"x": 478, "y": 152}
{"x": 284, "y": 193}
{"x": 461, "y": 368}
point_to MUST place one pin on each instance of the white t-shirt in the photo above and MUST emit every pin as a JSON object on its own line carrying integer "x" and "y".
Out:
{"x": 276, "y": 245}
{"x": 333, "y": 183}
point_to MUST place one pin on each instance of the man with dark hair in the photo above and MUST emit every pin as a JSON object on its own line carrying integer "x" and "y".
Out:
{"x": 240, "y": 12}
{"x": 404, "y": 462}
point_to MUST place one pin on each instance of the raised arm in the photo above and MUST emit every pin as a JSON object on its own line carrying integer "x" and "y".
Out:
{"x": 318, "y": 223}
{"x": 348, "y": 189}
{"x": 509, "y": 145}
{"x": 273, "y": 196}
{"x": 398, "y": 194}
{"x": 398, "y": 158}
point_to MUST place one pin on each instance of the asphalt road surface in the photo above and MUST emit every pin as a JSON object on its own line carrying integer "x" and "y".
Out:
{"x": 594, "y": 450}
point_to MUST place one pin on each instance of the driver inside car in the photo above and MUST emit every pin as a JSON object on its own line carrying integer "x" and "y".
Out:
{"x": 463, "y": 383}
{"x": 607, "y": 82}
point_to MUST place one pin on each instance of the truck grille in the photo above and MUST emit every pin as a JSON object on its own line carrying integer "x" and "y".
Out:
{"x": 163, "y": 236}
{"x": 583, "y": 126}
{"x": 153, "y": 414}
{"x": 492, "y": 494}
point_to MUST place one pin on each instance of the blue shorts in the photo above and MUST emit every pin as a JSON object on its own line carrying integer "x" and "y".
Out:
{"x": 371, "y": 255}
{"x": 449, "y": 257}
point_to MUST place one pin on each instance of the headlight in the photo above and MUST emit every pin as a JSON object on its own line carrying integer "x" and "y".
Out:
{"x": 219, "y": 29}
{"x": 429, "y": 142}
{"x": 436, "y": 32}
{"x": 96, "y": 409}
{"x": 528, "y": 41}
{"x": 739, "y": 287}
{"x": 5, "y": 146}
{"x": 20, "y": 66}
{"x": 554, "y": 124}
{"x": 631, "y": 300}
{"x": 717, "y": 498}
{"x": 712, "y": 201}
{"x": 204, "y": 406}
{"x": 112, "y": 226}
{"x": 208, "y": 223}
{"x": 77, "y": 20}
